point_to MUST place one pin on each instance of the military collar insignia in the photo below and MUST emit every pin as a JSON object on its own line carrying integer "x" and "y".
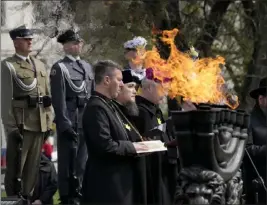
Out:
{"x": 159, "y": 121}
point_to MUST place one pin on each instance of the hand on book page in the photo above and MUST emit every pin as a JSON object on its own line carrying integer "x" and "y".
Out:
{"x": 140, "y": 147}
{"x": 152, "y": 146}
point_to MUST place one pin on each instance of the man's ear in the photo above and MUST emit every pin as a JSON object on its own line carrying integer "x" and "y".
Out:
{"x": 106, "y": 80}
{"x": 150, "y": 87}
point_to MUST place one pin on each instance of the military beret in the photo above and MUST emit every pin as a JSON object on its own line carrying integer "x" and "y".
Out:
{"x": 21, "y": 32}
{"x": 128, "y": 77}
{"x": 68, "y": 36}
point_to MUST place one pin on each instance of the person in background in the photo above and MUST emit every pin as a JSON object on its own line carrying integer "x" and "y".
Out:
{"x": 257, "y": 147}
{"x": 47, "y": 149}
{"x": 134, "y": 50}
{"x": 46, "y": 184}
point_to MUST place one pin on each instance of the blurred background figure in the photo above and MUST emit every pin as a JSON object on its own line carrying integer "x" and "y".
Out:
{"x": 46, "y": 184}
{"x": 47, "y": 148}
{"x": 254, "y": 183}
{"x": 134, "y": 51}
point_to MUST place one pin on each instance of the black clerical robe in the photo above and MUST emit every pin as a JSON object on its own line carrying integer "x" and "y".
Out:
{"x": 108, "y": 175}
{"x": 139, "y": 162}
{"x": 161, "y": 174}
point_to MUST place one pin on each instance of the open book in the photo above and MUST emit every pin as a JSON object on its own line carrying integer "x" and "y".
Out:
{"x": 153, "y": 146}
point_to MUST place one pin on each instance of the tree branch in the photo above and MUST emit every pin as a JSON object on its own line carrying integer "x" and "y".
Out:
{"x": 211, "y": 27}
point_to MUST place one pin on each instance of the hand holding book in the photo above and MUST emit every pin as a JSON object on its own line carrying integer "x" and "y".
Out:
{"x": 149, "y": 146}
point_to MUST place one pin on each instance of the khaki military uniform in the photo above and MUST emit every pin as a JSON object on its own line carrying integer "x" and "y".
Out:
{"x": 20, "y": 79}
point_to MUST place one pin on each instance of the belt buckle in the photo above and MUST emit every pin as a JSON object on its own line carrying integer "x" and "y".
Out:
{"x": 40, "y": 99}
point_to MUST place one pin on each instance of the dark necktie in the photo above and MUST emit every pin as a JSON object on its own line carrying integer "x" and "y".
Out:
{"x": 32, "y": 65}
{"x": 80, "y": 65}
{"x": 28, "y": 61}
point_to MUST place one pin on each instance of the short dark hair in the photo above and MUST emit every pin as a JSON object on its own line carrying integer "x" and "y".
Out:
{"x": 104, "y": 68}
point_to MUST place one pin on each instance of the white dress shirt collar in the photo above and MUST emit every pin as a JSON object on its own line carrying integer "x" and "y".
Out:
{"x": 72, "y": 58}
{"x": 23, "y": 57}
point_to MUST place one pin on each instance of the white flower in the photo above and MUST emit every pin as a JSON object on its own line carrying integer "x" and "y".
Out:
{"x": 136, "y": 42}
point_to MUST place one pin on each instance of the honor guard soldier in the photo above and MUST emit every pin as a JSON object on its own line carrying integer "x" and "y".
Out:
{"x": 71, "y": 85}
{"x": 26, "y": 114}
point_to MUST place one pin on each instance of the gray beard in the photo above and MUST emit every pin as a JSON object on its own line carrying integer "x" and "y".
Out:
{"x": 132, "y": 109}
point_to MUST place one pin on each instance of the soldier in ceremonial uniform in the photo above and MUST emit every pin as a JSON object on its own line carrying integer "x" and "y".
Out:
{"x": 71, "y": 84}
{"x": 26, "y": 113}
{"x": 127, "y": 109}
{"x": 161, "y": 167}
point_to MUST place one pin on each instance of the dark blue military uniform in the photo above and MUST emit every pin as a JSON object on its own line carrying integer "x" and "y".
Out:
{"x": 71, "y": 84}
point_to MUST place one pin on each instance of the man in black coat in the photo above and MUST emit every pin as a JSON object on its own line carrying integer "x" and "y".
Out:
{"x": 161, "y": 170}
{"x": 108, "y": 175}
{"x": 127, "y": 109}
{"x": 257, "y": 146}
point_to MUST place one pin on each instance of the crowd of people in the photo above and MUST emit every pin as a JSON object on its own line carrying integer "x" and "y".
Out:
{"x": 102, "y": 114}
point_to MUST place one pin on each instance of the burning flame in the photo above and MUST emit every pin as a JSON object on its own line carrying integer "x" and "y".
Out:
{"x": 197, "y": 80}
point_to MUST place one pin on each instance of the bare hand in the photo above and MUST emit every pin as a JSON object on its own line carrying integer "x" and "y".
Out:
{"x": 37, "y": 202}
{"x": 188, "y": 106}
{"x": 147, "y": 139}
{"x": 139, "y": 147}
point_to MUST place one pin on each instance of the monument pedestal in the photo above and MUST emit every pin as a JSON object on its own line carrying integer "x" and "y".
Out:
{"x": 211, "y": 143}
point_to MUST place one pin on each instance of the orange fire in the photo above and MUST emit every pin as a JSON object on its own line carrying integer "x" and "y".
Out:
{"x": 199, "y": 80}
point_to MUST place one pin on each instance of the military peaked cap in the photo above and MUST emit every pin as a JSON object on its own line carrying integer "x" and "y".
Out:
{"x": 68, "y": 36}
{"x": 21, "y": 32}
